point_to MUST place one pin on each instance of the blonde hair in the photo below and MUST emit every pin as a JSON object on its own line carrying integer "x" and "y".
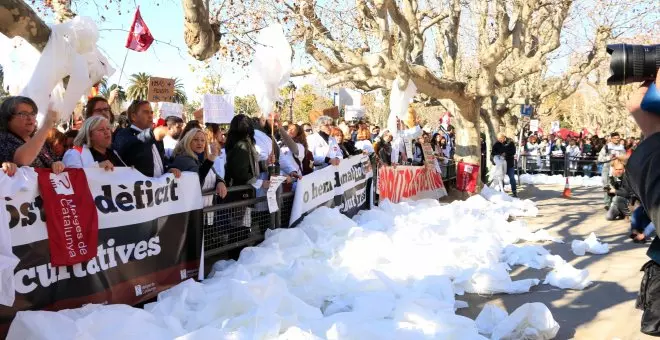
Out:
{"x": 183, "y": 146}
{"x": 91, "y": 123}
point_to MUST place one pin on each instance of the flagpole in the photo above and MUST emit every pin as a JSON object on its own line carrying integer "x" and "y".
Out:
{"x": 121, "y": 72}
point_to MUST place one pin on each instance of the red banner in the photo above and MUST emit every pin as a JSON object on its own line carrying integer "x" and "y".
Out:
{"x": 409, "y": 182}
{"x": 72, "y": 223}
{"x": 466, "y": 177}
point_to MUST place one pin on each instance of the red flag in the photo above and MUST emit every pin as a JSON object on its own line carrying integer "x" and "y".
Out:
{"x": 72, "y": 223}
{"x": 139, "y": 38}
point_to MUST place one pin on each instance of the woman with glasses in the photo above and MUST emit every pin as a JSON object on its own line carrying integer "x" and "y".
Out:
{"x": 99, "y": 106}
{"x": 21, "y": 142}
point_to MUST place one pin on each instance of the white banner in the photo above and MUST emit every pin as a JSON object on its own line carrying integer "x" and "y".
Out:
{"x": 344, "y": 186}
{"x": 123, "y": 196}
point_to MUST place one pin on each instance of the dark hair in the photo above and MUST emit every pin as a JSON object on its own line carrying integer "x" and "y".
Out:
{"x": 71, "y": 134}
{"x": 134, "y": 107}
{"x": 240, "y": 128}
{"x": 614, "y": 134}
{"x": 193, "y": 124}
{"x": 171, "y": 120}
{"x": 91, "y": 103}
{"x": 55, "y": 135}
{"x": 8, "y": 109}
{"x": 300, "y": 135}
{"x": 123, "y": 121}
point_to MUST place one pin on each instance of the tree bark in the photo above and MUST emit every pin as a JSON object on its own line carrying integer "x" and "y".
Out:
{"x": 468, "y": 147}
{"x": 201, "y": 35}
{"x": 17, "y": 19}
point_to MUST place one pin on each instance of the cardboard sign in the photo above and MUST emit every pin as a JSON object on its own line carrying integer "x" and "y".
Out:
{"x": 332, "y": 112}
{"x": 429, "y": 158}
{"x": 160, "y": 89}
{"x": 218, "y": 108}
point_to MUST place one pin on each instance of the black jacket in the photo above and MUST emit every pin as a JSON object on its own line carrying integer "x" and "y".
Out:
{"x": 385, "y": 153}
{"x": 621, "y": 185}
{"x": 240, "y": 168}
{"x": 134, "y": 147}
{"x": 643, "y": 170}
{"x": 508, "y": 148}
{"x": 188, "y": 163}
{"x": 349, "y": 149}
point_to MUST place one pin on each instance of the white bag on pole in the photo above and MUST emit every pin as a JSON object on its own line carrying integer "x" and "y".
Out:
{"x": 271, "y": 66}
{"x": 71, "y": 51}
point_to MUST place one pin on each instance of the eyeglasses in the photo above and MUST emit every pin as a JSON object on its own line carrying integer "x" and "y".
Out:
{"x": 102, "y": 110}
{"x": 24, "y": 114}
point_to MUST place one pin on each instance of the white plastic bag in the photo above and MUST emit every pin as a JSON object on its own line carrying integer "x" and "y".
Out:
{"x": 531, "y": 321}
{"x": 70, "y": 51}
{"x": 489, "y": 317}
{"x": 271, "y": 66}
{"x": 400, "y": 100}
{"x": 590, "y": 244}
{"x": 565, "y": 276}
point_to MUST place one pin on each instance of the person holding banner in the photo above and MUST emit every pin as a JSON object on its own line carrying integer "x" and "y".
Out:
{"x": 192, "y": 154}
{"x": 140, "y": 145}
{"x": 92, "y": 147}
{"x": 20, "y": 140}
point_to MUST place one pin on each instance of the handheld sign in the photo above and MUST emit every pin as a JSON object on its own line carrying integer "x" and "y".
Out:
{"x": 429, "y": 158}
{"x": 218, "y": 108}
{"x": 160, "y": 89}
{"x": 534, "y": 125}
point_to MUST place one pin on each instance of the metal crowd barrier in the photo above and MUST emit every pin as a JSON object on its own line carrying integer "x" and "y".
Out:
{"x": 559, "y": 165}
{"x": 234, "y": 225}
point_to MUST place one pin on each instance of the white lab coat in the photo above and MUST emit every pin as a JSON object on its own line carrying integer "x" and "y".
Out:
{"x": 81, "y": 159}
{"x": 322, "y": 149}
{"x": 399, "y": 141}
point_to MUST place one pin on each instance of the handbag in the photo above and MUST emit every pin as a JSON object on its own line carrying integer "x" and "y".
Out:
{"x": 648, "y": 299}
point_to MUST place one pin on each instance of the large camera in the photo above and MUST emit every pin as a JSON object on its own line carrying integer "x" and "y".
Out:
{"x": 633, "y": 63}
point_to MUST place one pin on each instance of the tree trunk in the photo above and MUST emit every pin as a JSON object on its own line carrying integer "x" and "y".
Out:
{"x": 17, "y": 19}
{"x": 468, "y": 146}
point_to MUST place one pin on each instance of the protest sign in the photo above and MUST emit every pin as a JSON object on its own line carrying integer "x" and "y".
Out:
{"x": 271, "y": 194}
{"x": 166, "y": 109}
{"x": 148, "y": 240}
{"x": 534, "y": 125}
{"x": 160, "y": 89}
{"x": 429, "y": 157}
{"x": 218, "y": 108}
{"x": 409, "y": 182}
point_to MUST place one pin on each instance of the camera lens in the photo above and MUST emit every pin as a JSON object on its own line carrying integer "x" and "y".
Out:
{"x": 633, "y": 63}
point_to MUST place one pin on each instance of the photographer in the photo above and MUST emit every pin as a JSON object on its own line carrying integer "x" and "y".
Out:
{"x": 644, "y": 171}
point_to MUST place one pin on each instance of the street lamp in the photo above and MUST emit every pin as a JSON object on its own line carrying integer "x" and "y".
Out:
{"x": 292, "y": 96}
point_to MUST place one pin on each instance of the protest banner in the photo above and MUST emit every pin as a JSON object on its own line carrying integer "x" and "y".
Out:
{"x": 347, "y": 187}
{"x": 410, "y": 183}
{"x": 218, "y": 109}
{"x": 148, "y": 240}
{"x": 160, "y": 89}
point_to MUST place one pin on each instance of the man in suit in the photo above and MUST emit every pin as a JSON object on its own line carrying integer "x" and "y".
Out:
{"x": 141, "y": 145}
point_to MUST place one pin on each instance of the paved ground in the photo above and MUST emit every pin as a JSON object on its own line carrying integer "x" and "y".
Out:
{"x": 605, "y": 310}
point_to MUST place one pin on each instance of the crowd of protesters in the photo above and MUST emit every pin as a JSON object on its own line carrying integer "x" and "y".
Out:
{"x": 246, "y": 152}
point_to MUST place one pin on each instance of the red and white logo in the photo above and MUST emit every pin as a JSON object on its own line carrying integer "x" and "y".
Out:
{"x": 61, "y": 183}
